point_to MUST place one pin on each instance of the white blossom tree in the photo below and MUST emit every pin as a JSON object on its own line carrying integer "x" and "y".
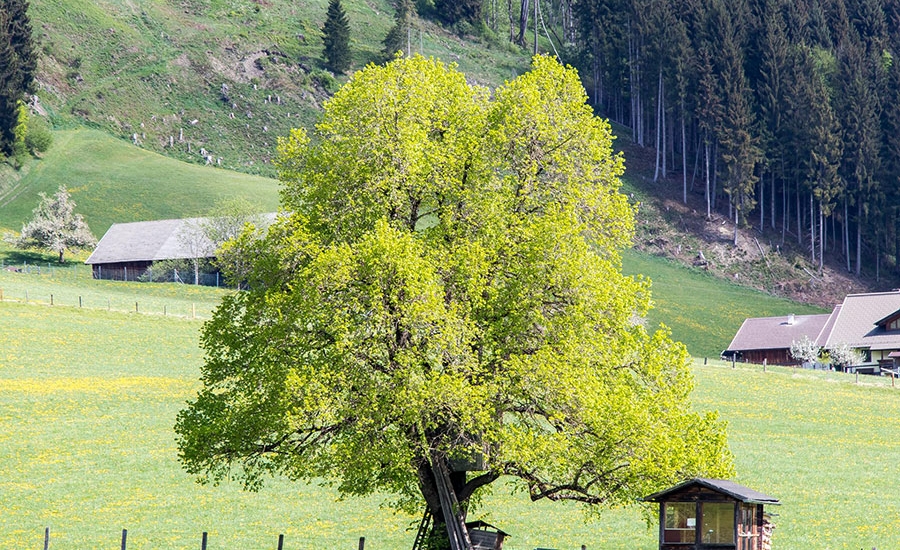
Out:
{"x": 805, "y": 350}
{"x": 842, "y": 355}
{"x": 55, "y": 226}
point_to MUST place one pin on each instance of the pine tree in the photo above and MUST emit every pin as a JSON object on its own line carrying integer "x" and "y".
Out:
{"x": 454, "y": 11}
{"x": 336, "y": 38}
{"x": 397, "y": 39}
{"x": 18, "y": 62}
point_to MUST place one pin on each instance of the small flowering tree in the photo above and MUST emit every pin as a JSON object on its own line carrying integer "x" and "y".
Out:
{"x": 842, "y": 355}
{"x": 805, "y": 350}
{"x": 55, "y": 226}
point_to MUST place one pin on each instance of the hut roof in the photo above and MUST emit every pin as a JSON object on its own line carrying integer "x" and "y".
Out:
{"x": 729, "y": 488}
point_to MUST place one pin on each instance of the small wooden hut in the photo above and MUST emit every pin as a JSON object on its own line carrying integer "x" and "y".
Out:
{"x": 702, "y": 514}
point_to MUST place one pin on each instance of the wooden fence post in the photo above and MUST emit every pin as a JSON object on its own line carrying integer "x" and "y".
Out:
{"x": 124, "y": 537}
{"x": 79, "y": 301}
{"x": 362, "y": 543}
{"x": 203, "y": 541}
{"x": 51, "y": 299}
{"x": 281, "y": 542}
{"x": 46, "y": 538}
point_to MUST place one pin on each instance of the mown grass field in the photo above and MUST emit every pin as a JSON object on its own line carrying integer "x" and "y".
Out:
{"x": 88, "y": 398}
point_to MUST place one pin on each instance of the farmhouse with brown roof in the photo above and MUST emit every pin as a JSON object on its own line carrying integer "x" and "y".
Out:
{"x": 868, "y": 323}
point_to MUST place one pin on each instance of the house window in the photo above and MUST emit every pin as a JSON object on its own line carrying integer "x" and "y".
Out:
{"x": 894, "y": 325}
{"x": 680, "y": 522}
{"x": 718, "y": 523}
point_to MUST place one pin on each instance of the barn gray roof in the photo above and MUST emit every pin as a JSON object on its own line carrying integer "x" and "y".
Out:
{"x": 760, "y": 333}
{"x": 154, "y": 241}
{"x": 855, "y": 322}
{"x": 150, "y": 241}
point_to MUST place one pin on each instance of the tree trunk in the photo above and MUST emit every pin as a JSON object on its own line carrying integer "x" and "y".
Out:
{"x": 708, "y": 195}
{"x": 821, "y": 239}
{"x": 512, "y": 20}
{"x": 812, "y": 229}
{"x": 847, "y": 234}
{"x": 659, "y": 124}
{"x": 523, "y": 23}
{"x": 683, "y": 155}
{"x": 858, "y": 236}
{"x": 772, "y": 202}
{"x": 736, "y": 211}
{"x": 762, "y": 203}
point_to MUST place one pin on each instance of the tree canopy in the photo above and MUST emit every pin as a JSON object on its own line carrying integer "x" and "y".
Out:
{"x": 55, "y": 226}
{"x": 446, "y": 289}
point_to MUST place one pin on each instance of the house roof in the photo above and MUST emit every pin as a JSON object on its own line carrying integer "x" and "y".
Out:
{"x": 760, "y": 333}
{"x": 855, "y": 322}
{"x": 152, "y": 241}
{"x": 729, "y": 488}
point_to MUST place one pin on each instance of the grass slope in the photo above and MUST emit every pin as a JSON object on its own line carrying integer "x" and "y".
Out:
{"x": 112, "y": 181}
{"x": 88, "y": 399}
{"x": 702, "y": 311}
{"x": 157, "y": 69}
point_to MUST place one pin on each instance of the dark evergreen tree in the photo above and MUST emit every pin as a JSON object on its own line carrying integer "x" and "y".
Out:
{"x": 454, "y": 11}
{"x": 18, "y": 61}
{"x": 397, "y": 39}
{"x": 336, "y": 38}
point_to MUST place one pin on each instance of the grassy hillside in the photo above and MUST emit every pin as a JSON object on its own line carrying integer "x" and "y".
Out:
{"x": 112, "y": 181}
{"x": 88, "y": 399}
{"x": 155, "y": 70}
{"x": 703, "y": 311}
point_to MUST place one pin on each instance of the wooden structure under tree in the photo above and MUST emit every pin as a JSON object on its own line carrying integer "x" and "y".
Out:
{"x": 703, "y": 514}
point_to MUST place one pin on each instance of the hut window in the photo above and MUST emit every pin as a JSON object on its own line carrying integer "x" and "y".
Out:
{"x": 681, "y": 522}
{"x": 718, "y": 523}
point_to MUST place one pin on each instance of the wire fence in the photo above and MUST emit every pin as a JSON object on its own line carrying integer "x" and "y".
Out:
{"x": 74, "y": 286}
{"x": 205, "y": 540}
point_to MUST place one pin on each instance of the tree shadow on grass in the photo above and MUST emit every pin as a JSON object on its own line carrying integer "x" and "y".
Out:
{"x": 15, "y": 257}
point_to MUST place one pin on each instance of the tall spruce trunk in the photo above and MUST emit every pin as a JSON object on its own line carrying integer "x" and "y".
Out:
{"x": 858, "y": 237}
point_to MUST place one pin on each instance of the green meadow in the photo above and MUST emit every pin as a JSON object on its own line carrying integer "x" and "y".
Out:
{"x": 112, "y": 181}
{"x": 88, "y": 397}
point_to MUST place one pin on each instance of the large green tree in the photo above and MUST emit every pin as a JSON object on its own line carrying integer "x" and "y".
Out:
{"x": 447, "y": 289}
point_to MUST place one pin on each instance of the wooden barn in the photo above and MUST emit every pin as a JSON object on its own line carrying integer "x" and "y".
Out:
{"x": 768, "y": 339}
{"x": 127, "y": 250}
{"x": 702, "y": 514}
